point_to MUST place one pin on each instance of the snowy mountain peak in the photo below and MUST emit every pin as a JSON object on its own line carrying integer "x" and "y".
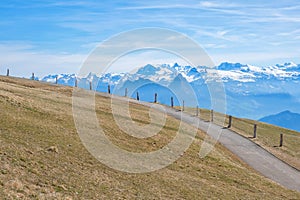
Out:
{"x": 230, "y": 66}
{"x": 175, "y": 65}
{"x": 287, "y": 65}
{"x": 147, "y": 70}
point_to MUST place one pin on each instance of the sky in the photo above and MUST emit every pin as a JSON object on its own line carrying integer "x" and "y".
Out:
{"x": 50, "y": 37}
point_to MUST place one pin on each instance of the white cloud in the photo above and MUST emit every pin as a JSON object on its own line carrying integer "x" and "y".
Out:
{"x": 214, "y": 46}
{"x": 290, "y": 33}
{"x": 256, "y": 58}
{"x": 208, "y": 4}
{"x": 22, "y": 61}
{"x": 135, "y": 60}
{"x": 146, "y": 7}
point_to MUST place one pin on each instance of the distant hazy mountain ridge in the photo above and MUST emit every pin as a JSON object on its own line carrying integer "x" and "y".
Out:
{"x": 284, "y": 119}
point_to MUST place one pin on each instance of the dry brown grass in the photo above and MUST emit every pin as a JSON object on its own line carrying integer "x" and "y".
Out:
{"x": 42, "y": 156}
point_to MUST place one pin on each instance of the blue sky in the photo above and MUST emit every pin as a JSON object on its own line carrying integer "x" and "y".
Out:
{"x": 56, "y": 36}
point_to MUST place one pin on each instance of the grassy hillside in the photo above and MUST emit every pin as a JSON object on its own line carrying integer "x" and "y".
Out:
{"x": 42, "y": 157}
{"x": 268, "y": 136}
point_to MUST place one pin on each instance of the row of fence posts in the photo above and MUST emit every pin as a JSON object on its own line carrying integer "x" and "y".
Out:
{"x": 32, "y": 76}
{"x": 183, "y": 107}
{"x": 254, "y": 130}
{"x": 108, "y": 87}
{"x": 56, "y": 79}
{"x": 172, "y": 105}
{"x": 7, "y": 74}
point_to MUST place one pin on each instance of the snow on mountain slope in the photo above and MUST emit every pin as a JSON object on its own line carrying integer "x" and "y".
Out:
{"x": 64, "y": 79}
{"x": 162, "y": 74}
{"x": 237, "y": 78}
{"x": 165, "y": 73}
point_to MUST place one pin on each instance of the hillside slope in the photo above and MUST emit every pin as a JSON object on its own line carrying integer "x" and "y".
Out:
{"x": 42, "y": 155}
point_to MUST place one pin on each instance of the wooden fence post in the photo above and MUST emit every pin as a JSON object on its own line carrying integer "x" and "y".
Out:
{"x": 254, "y": 131}
{"x": 155, "y": 98}
{"x": 108, "y": 89}
{"x": 230, "y": 121}
{"x": 137, "y": 96}
{"x": 211, "y": 115}
{"x": 182, "y": 105}
{"x": 75, "y": 81}
{"x": 56, "y": 80}
{"x": 7, "y": 73}
{"x": 197, "y": 111}
{"x": 32, "y": 77}
{"x": 126, "y": 92}
{"x": 91, "y": 85}
{"x": 172, "y": 102}
{"x": 281, "y": 140}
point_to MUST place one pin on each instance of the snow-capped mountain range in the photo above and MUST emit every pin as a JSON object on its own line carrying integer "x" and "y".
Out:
{"x": 165, "y": 73}
{"x": 251, "y": 91}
